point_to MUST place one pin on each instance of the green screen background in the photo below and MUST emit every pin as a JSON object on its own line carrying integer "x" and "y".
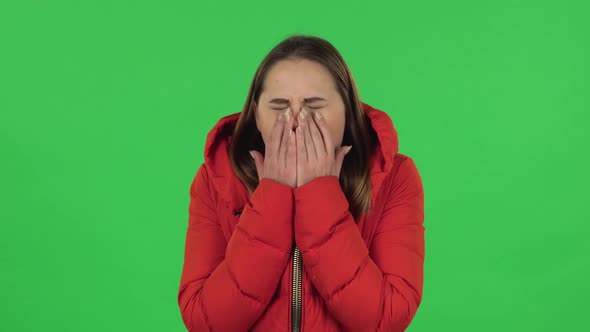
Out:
{"x": 105, "y": 105}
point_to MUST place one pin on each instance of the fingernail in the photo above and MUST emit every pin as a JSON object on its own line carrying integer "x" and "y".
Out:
{"x": 251, "y": 154}
{"x": 348, "y": 149}
{"x": 302, "y": 115}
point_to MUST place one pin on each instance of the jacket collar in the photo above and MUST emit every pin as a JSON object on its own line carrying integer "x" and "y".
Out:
{"x": 235, "y": 194}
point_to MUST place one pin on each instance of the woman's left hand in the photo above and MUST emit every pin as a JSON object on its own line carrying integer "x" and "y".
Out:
{"x": 315, "y": 153}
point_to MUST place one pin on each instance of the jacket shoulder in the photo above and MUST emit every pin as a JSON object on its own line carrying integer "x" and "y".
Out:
{"x": 202, "y": 185}
{"x": 404, "y": 177}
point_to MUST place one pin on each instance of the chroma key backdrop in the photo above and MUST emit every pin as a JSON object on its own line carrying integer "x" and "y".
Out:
{"x": 105, "y": 107}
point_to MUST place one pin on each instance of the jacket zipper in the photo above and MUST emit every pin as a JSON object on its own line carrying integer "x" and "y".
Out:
{"x": 296, "y": 294}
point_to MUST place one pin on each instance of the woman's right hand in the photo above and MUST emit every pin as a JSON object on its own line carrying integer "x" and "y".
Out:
{"x": 279, "y": 162}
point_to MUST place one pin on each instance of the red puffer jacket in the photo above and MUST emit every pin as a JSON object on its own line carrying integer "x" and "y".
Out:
{"x": 294, "y": 259}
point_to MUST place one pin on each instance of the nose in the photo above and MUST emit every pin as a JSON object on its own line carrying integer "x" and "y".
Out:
{"x": 295, "y": 111}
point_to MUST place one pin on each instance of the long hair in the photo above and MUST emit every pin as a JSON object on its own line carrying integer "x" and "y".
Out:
{"x": 354, "y": 177}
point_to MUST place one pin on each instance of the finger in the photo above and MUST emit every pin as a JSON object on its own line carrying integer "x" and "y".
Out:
{"x": 291, "y": 149}
{"x": 300, "y": 141}
{"x": 321, "y": 123}
{"x": 276, "y": 136}
{"x": 259, "y": 162}
{"x": 318, "y": 140}
{"x": 311, "y": 153}
{"x": 285, "y": 142}
{"x": 342, "y": 152}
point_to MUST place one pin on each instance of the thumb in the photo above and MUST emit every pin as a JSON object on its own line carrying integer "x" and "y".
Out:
{"x": 258, "y": 161}
{"x": 340, "y": 157}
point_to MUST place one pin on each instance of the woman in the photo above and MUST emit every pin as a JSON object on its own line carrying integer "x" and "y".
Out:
{"x": 304, "y": 216}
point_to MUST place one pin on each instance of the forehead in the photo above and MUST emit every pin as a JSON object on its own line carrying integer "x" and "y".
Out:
{"x": 298, "y": 77}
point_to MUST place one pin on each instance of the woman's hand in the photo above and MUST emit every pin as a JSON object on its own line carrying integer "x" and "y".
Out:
{"x": 279, "y": 161}
{"x": 315, "y": 153}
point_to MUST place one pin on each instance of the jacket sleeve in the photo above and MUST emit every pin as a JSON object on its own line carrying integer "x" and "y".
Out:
{"x": 365, "y": 290}
{"x": 219, "y": 288}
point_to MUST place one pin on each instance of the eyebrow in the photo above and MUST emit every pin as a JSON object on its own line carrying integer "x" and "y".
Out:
{"x": 282, "y": 101}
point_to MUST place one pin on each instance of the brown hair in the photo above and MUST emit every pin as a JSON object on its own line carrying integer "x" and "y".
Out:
{"x": 355, "y": 173}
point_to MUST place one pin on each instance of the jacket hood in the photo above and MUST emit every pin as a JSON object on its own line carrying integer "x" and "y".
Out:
{"x": 234, "y": 193}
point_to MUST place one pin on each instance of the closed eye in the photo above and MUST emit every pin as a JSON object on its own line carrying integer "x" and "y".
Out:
{"x": 284, "y": 108}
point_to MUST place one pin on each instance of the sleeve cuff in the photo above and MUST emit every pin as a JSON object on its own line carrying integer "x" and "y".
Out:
{"x": 320, "y": 205}
{"x": 268, "y": 215}
{"x": 323, "y": 192}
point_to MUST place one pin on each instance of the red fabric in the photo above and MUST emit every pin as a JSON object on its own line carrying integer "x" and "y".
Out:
{"x": 357, "y": 276}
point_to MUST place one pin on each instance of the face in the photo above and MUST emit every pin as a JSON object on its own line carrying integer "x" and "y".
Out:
{"x": 296, "y": 84}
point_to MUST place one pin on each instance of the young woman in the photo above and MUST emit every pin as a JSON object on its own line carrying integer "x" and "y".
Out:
{"x": 303, "y": 216}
